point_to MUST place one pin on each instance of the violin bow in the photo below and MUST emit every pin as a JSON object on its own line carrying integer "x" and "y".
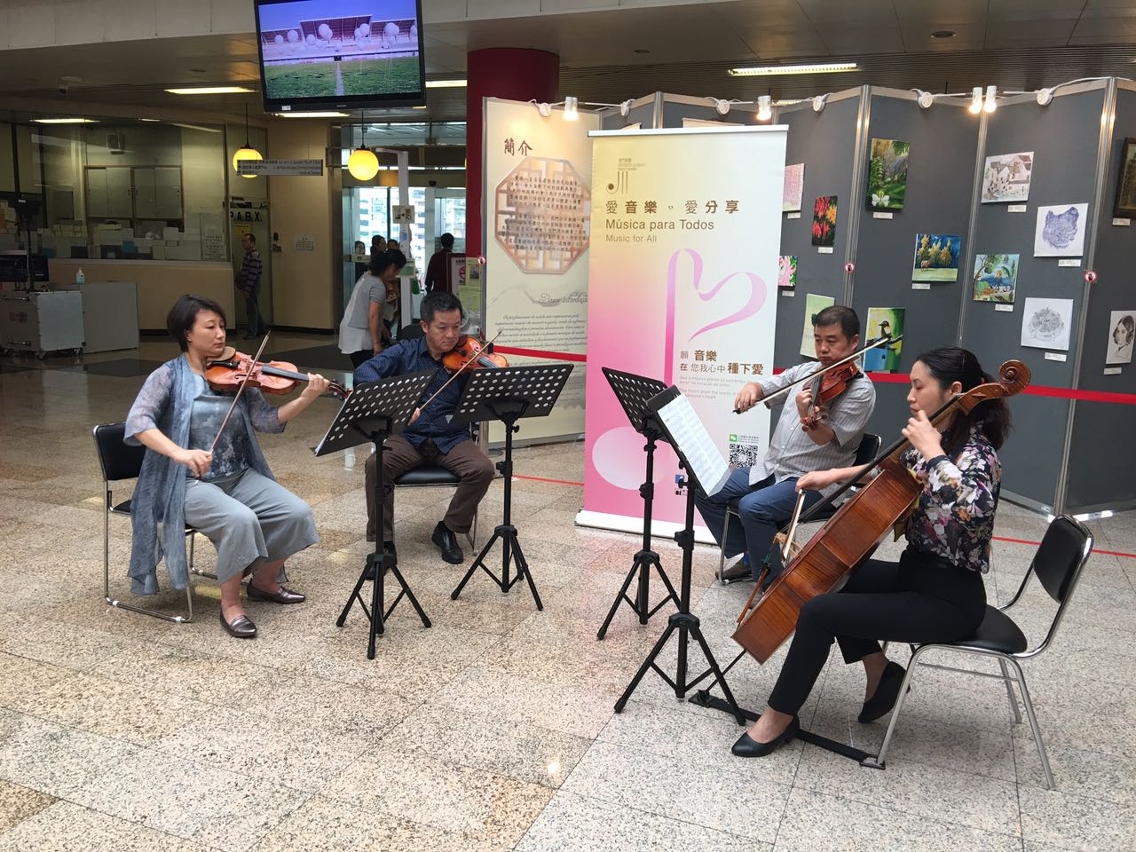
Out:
{"x": 240, "y": 390}
{"x": 880, "y": 341}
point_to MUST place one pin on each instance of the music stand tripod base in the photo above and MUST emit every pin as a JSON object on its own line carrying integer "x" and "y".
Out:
{"x": 370, "y": 414}
{"x": 683, "y": 622}
{"x": 508, "y": 394}
{"x": 633, "y": 391}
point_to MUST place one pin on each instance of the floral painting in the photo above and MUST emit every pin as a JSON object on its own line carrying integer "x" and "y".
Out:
{"x": 887, "y": 174}
{"x": 936, "y": 257}
{"x": 824, "y": 221}
{"x": 787, "y": 271}
{"x": 794, "y": 186}
{"x": 995, "y": 277}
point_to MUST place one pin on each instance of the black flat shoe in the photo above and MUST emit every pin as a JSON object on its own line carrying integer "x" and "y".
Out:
{"x": 240, "y": 627}
{"x": 884, "y": 698}
{"x": 746, "y": 746}
{"x": 448, "y": 543}
{"x": 281, "y": 596}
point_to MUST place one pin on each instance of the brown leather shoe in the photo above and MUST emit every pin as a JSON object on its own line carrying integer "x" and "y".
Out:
{"x": 240, "y": 627}
{"x": 281, "y": 596}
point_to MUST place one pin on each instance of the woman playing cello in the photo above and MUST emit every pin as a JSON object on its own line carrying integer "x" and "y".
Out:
{"x": 226, "y": 492}
{"x": 935, "y": 593}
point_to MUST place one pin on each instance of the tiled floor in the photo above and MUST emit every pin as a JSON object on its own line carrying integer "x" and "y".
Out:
{"x": 494, "y": 729}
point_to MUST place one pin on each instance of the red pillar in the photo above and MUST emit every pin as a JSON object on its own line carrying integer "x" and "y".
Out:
{"x": 498, "y": 72}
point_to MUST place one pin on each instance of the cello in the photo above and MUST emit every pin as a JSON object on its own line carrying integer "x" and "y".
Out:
{"x": 853, "y": 532}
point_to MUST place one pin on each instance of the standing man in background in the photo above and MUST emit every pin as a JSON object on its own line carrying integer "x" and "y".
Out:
{"x": 248, "y": 282}
{"x": 436, "y": 269}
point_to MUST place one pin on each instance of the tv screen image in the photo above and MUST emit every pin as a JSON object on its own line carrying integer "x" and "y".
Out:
{"x": 340, "y": 53}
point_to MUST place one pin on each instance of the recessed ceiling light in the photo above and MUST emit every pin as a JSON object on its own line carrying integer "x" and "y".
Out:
{"x": 152, "y": 120}
{"x": 808, "y": 68}
{"x": 445, "y": 84}
{"x": 210, "y": 90}
{"x": 63, "y": 120}
{"x": 196, "y": 127}
{"x": 311, "y": 114}
{"x": 943, "y": 34}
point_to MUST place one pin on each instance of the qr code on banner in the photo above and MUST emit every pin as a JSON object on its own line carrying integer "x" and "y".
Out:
{"x": 744, "y": 455}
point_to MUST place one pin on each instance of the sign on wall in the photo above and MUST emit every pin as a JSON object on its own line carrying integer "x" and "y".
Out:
{"x": 537, "y": 236}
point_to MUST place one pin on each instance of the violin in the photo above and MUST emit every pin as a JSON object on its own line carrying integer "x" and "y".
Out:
{"x": 832, "y": 384}
{"x": 228, "y": 373}
{"x": 823, "y": 371}
{"x": 468, "y": 355}
{"x": 471, "y": 354}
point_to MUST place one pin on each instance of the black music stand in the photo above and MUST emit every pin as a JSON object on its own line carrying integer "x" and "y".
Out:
{"x": 371, "y": 413}
{"x": 683, "y": 621}
{"x": 508, "y": 394}
{"x": 633, "y": 393}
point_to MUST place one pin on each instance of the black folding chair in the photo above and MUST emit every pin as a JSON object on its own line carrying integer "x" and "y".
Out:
{"x": 1058, "y": 563}
{"x": 120, "y": 462}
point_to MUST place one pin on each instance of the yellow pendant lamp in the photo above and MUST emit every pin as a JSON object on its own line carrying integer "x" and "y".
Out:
{"x": 246, "y": 151}
{"x": 363, "y": 164}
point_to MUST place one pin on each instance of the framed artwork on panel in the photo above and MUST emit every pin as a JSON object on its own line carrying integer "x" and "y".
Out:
{"x": 1126, "y": 182}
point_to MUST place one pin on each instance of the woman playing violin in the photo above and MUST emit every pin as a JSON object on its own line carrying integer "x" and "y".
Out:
{"x": 935, "y": 593}
{"x": 226, "y": 492}
{"x": 430, "y": 438}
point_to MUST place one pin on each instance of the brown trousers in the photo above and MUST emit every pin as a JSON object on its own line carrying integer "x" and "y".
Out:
{"x": 399, "y": 455}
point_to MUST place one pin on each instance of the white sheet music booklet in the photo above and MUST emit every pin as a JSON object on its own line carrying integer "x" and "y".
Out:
{"x": 689, "y": 434}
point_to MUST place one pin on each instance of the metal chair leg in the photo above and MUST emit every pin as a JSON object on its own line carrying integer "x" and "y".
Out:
{"x": 882, "y": 756}
{"x": 1032, "y": 716}
{"x": 722, "y": 548}
{"x": 1007, "y": 680}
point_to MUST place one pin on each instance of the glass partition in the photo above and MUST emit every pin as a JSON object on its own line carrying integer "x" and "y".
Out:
{"x": 151, "y": 191}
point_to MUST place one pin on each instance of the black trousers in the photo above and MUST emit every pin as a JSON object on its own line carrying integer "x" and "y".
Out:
{"x": 920, "y": 599}
{"x": 361, "y": 357}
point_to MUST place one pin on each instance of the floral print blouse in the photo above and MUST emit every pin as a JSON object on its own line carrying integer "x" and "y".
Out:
{"x": 954, "y": 518}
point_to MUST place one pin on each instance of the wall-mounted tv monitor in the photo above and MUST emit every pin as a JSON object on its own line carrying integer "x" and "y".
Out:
{"x": 346, "y": 54}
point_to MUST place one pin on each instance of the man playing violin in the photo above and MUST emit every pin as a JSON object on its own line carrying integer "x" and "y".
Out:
{"x": 810, "y": 435}
{"x": 429, "y": 438}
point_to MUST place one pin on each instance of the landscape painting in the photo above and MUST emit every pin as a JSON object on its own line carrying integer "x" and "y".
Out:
{"x": 1007, "y": 177}
{"x": 887, "y": 174}
{"x": 936, "y": 257}
{"x": 995, "y": 277}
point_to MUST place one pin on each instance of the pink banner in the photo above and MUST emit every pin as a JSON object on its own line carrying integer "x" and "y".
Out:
{"x": 681, "y": 278}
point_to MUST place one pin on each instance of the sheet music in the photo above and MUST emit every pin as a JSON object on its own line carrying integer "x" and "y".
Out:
{"x": 707, "y": 464}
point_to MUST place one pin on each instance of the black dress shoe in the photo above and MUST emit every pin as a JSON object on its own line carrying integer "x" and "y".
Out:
{"x": 240, "y": 627}
{"x": 448, "y": 543}
{"x": 746, "y": 746}
{"x": 388, "y": 547}
{"x": 280, "y": 596}
{"x": 887, "y": 691}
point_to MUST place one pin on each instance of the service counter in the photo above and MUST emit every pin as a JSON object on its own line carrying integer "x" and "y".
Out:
{"x": 158, "y": 284}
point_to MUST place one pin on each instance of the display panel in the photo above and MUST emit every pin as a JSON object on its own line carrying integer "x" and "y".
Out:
{"x": 340, "y": 53}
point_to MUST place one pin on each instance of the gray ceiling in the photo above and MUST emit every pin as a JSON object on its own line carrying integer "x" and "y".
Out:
{"x": 608, "y": 56}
